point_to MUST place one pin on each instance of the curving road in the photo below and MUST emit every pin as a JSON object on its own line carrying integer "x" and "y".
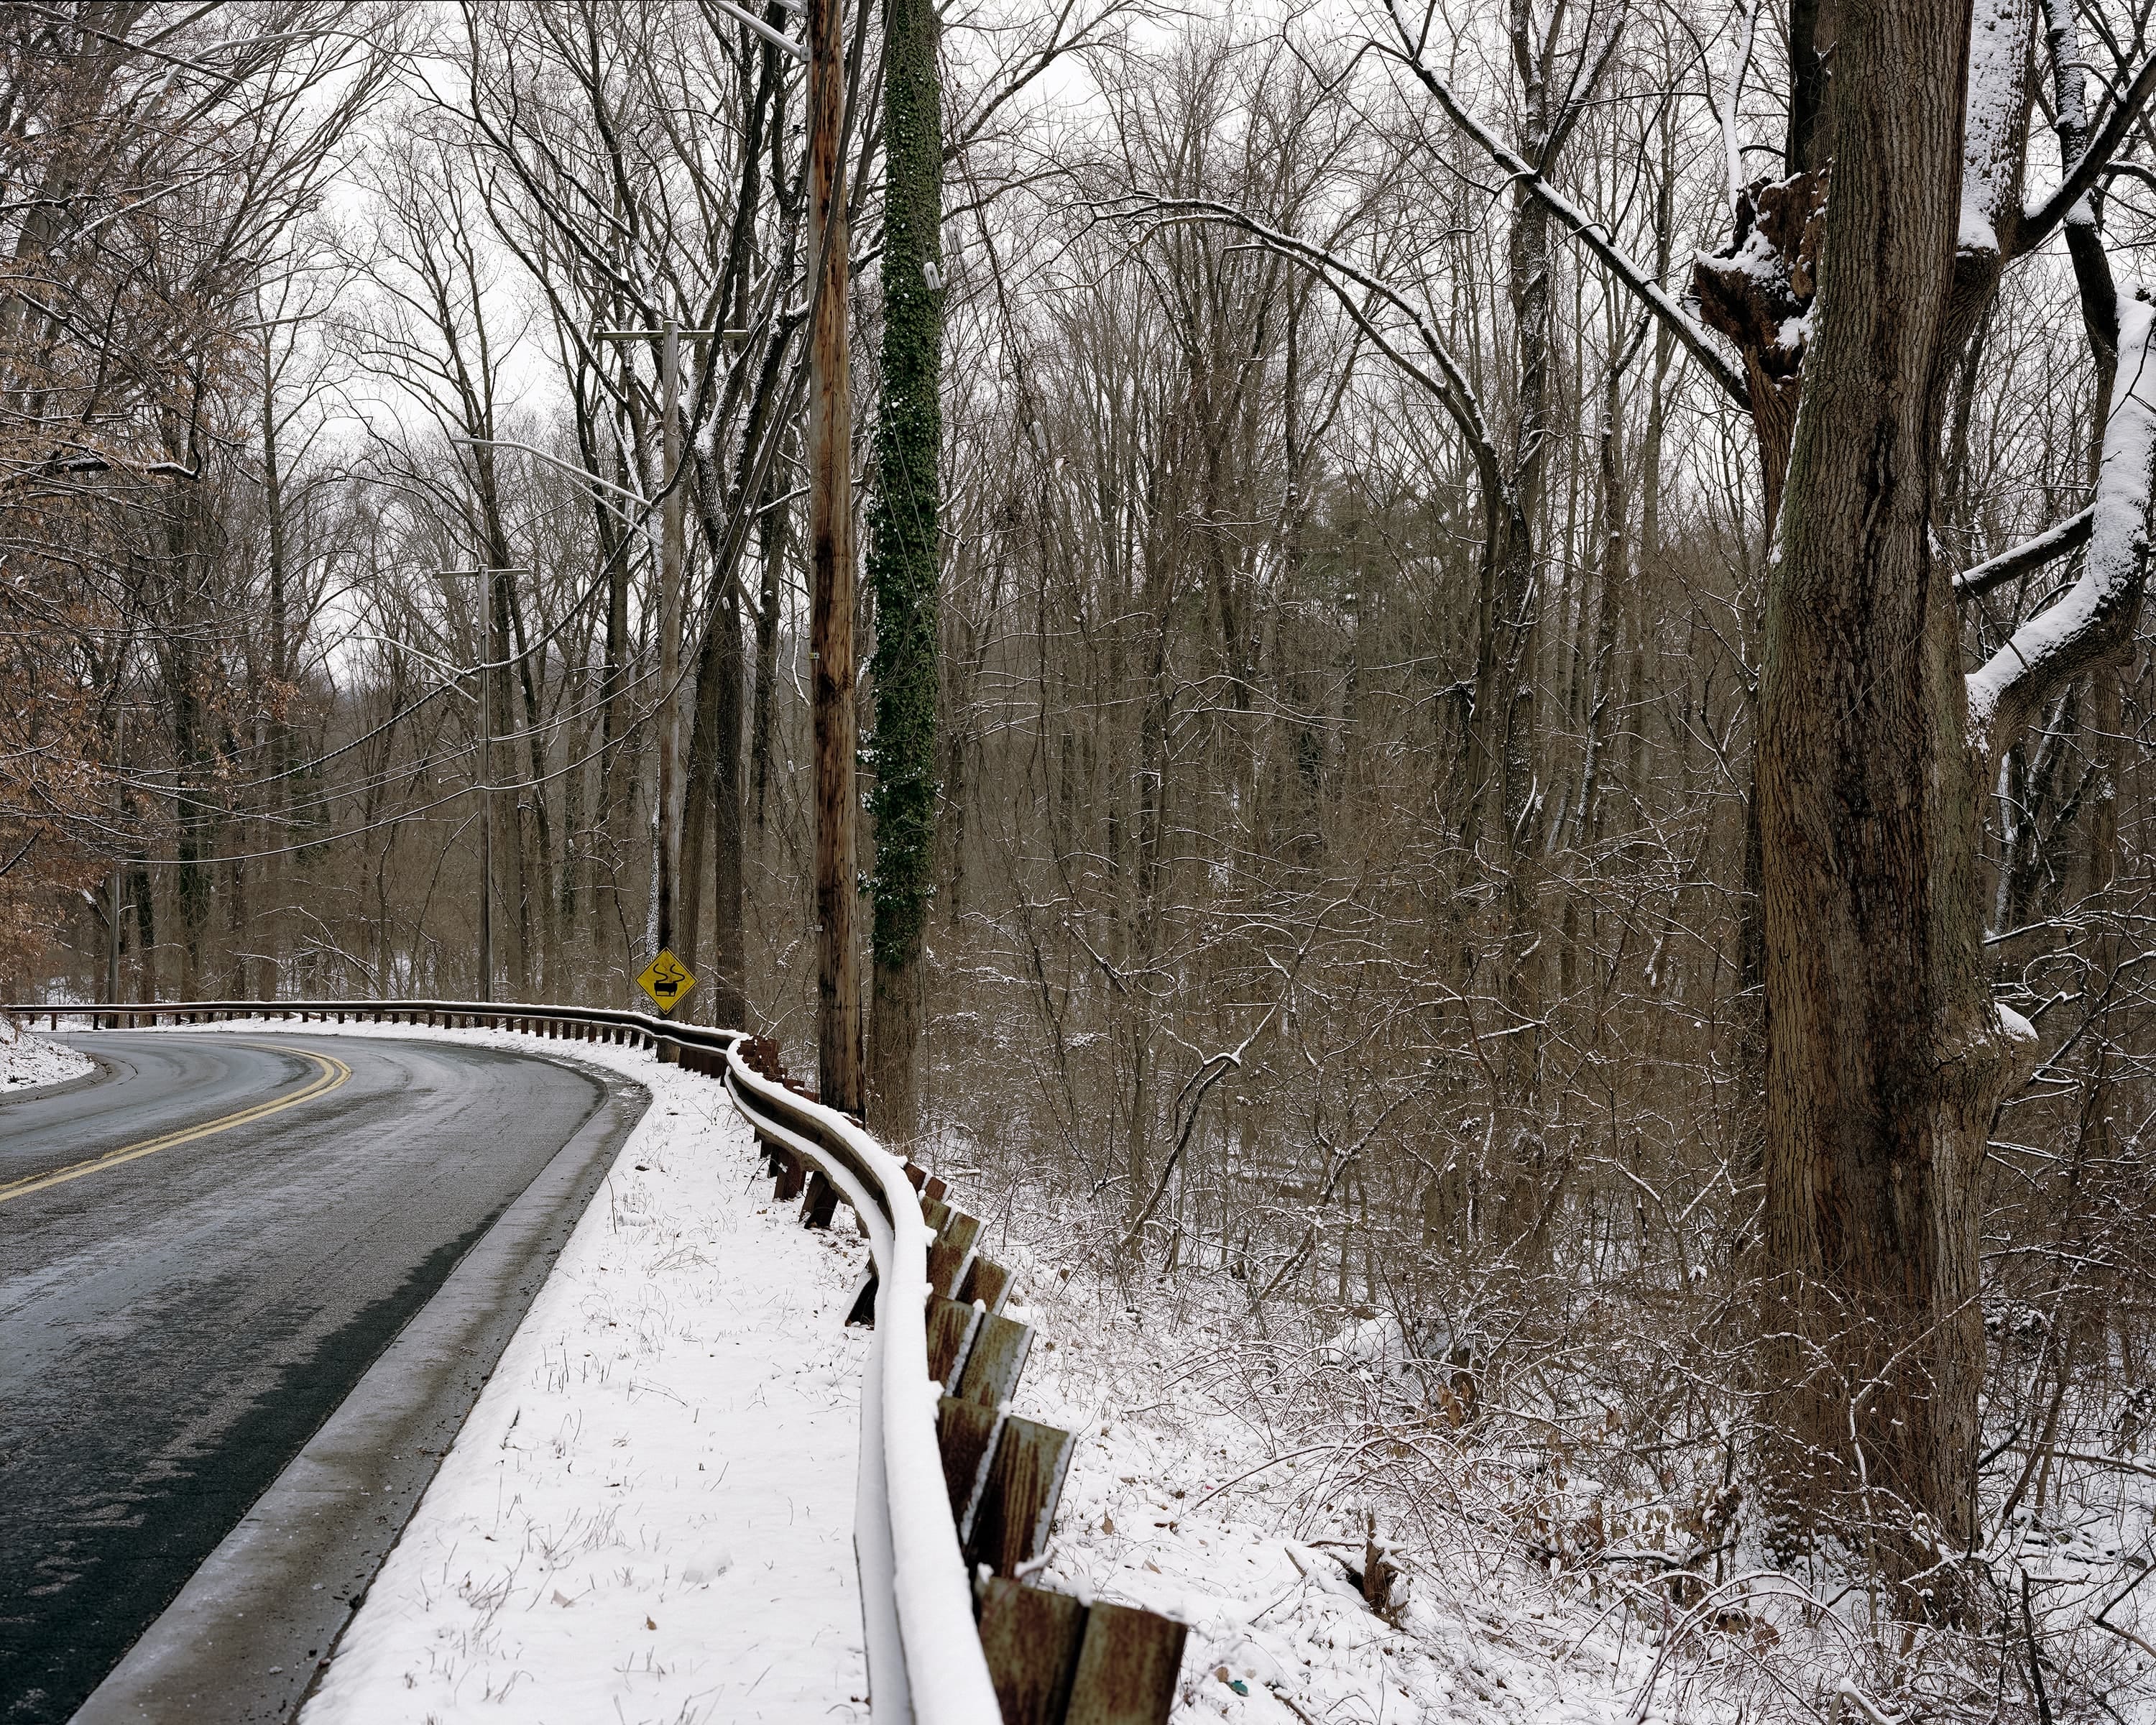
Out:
{"x": 200, "y": 1255}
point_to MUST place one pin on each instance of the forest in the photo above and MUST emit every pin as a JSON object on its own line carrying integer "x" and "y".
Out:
{"x": 1503, "y": 690}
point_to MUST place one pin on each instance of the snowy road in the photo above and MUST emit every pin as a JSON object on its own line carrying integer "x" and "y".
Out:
{"x": 199, "y": 1257}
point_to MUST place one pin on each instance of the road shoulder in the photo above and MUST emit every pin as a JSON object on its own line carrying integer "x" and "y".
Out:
{"x": 249, "y": 1632}
{"x": 649, "y": 1513}
{"x": 102, "y": 1072}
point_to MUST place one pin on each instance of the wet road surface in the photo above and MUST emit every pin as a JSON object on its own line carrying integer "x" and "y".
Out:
{"x": 199, "y": 1255}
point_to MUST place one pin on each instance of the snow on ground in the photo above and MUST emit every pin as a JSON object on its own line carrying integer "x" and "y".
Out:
{"x": 28, "y": 1062}
{"x": 648, "y": 1514}
{"x": 1197, "y": 1490}
{"x": 1155, "y": 1514}
{"x": 1193, "y": 1493}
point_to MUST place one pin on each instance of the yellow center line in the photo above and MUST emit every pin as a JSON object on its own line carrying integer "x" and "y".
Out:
{"x": 330, "y": 1073}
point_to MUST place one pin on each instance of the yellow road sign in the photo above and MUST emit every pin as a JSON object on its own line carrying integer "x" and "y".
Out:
{"x": 666, "y": 980}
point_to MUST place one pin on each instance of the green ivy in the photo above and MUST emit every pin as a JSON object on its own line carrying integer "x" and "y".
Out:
{"x": 906, "y": 506}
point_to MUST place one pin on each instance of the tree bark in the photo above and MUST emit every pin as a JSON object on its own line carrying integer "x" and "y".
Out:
{"x": 904, "y": 552}
{"x": 831, "y": 572}
{"x": 1884, "y": 1056}
{"x": 711, "y": 812}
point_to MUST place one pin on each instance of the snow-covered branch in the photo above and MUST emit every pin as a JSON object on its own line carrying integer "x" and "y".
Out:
{"x": 2053, "y": 542}
{"x": 1992, "y": 142}
{"x": 2039, "y": 218}
{"x": 2062, "y": 42}
{"x": 2097, "y": 613}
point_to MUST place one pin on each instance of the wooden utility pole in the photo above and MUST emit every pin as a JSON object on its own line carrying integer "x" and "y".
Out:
{"x": 838, "y": 1049}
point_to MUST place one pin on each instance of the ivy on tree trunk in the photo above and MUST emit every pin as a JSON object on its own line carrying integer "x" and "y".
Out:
{"x": 904, "y": 516}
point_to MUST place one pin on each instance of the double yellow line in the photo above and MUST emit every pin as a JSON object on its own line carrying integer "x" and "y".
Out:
{"x": 329, "y": 1073}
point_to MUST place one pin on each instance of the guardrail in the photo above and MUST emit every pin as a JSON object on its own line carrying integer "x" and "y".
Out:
{"x": 955, "y": 1494}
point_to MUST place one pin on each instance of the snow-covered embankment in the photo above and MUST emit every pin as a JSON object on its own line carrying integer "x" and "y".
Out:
{"x": 30, "y": 1062}
{"x": 648, "y": 1514}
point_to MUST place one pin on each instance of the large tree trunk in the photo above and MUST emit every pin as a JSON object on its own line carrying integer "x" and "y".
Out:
{"x": 1885, "y": 1059}
{"x": 904, "y": 552}
{"x": 840, "y": 1075}
{"x": 712, "y": 813}
{"x": 1513, "y": 794}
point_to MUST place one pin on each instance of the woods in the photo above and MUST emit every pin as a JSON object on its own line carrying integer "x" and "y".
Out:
{"x": 1503, "y": 690}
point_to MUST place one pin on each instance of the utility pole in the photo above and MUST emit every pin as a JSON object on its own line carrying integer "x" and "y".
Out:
{"x": 669, "y": 336}
{"x": 486, "y": 579}
{"x": 838, "y": 1052}
{"x": 119, "y": 867}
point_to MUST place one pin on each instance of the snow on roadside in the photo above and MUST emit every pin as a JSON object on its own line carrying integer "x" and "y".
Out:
{"x": 648, "y": 1514}
{"x": 30, "y": 1062}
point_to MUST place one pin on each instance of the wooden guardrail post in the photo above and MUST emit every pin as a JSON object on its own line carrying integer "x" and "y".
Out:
{"x": 1032, "y": 1639}
{"x": 985, "y": 1283}
{"x": 822, "y": 1202}
{"x": 1018, "y": 1497}
{"x": 992, "y": 1364}
{"x": 1056, "y": 1660}
{"x": 966, "y": 1434}
{"x": 951, "y": 1330}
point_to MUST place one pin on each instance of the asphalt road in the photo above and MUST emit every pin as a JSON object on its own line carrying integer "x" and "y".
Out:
{"x": 199, "y": 1257}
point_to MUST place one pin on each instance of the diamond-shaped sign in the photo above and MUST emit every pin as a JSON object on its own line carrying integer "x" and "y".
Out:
{"x": 666, "y": 980}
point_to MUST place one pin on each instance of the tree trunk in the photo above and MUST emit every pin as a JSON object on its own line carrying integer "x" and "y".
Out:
{"x": 1518, "y": 623}
{"x": 771, "y": 517}
{"x": 1884, "y": 1057}
{"x": 534, "y": 827}
{"x": 831, "y": 573}
{"x": 712, "y": 813}
{"x": 904, "y": 552}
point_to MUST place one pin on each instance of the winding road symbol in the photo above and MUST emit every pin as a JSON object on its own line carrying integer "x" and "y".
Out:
{"x": 666, "y": 979}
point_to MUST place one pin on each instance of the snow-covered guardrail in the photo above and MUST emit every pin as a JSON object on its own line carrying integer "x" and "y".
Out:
{"x": 955, "y": 1494}
{"x": 599, "y": 1023}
